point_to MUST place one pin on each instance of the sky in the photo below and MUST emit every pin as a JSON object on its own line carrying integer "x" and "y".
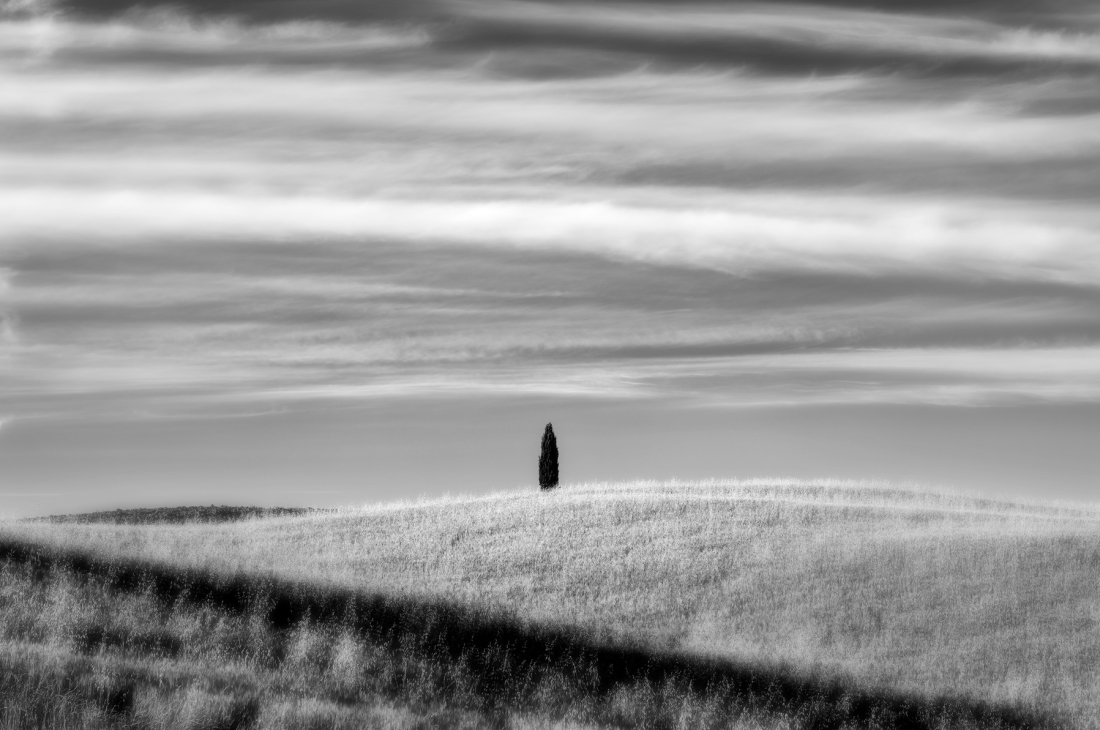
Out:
{"x": 343, "y": 251}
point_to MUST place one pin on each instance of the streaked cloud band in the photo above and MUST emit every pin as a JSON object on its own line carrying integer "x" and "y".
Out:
{"x": 734, "y": 204}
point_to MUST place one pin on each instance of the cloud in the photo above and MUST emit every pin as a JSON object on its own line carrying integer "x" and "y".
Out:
{"x": 167, "y": 35}
{"x": 251, "y": 11}
{"x": 779, "y": 37}
{"x": 741, "y": 233}
{"x": 955, "y": 376}
{"x": 737, "y": 115}
{"x": 787, "y": 36}
{"x": 222, "y": 206}
{"x": 8, "y": 334}
{"x": 228, "y": 324}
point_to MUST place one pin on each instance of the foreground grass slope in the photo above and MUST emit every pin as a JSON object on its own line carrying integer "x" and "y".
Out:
{"x": 885, "y": 590}
{"x": 91, "y": 643}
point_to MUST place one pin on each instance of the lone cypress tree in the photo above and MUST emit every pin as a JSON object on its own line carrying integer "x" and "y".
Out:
{"x": 548, "y": 459}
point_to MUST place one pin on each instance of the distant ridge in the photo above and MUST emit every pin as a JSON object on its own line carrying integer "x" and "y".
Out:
{"x": 170, "y": 515}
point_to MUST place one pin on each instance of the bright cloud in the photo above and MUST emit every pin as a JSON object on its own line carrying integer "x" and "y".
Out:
{"x": 741, "y": 233}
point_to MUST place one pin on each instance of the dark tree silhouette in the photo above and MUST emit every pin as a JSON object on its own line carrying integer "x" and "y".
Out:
{"x": 548, "y": 459}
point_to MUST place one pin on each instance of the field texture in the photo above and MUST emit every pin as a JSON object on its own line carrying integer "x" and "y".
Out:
{"x": 767, "y": 604}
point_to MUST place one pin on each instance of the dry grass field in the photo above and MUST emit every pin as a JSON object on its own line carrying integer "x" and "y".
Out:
{"x": 764, "y": 604}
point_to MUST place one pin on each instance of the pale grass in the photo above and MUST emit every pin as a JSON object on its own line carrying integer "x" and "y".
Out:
{"x": 56, "y": 675}
{"x": 70, "y": 641}
{"x": 913, "y": 590}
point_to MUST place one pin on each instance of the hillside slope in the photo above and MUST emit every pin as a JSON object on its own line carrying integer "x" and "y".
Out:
{"x": 890, "y": 589}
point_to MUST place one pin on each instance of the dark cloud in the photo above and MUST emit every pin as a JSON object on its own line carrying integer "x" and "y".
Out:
{"x": 918, "y": 39}
{"x": 725, "y": 49}
{"x": 259, "y": 11}
{"x": 1072, "y": 179}
{"x": 358, "y": 10}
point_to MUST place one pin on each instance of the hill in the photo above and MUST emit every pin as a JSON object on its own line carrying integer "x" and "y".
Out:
{"x": 168, "y": 515}
{"x": 831, "y": 595}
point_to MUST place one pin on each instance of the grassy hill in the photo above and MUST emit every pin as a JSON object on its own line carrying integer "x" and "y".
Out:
{"x": 740, "y": 604}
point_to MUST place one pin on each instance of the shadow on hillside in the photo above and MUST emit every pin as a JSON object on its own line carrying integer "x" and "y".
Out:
{"x": 507, "y": 657}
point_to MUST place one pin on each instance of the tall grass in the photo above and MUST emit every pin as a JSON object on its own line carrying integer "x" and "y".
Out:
{"x": 134, "y": 644}
{"x": 891, "y": 591}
